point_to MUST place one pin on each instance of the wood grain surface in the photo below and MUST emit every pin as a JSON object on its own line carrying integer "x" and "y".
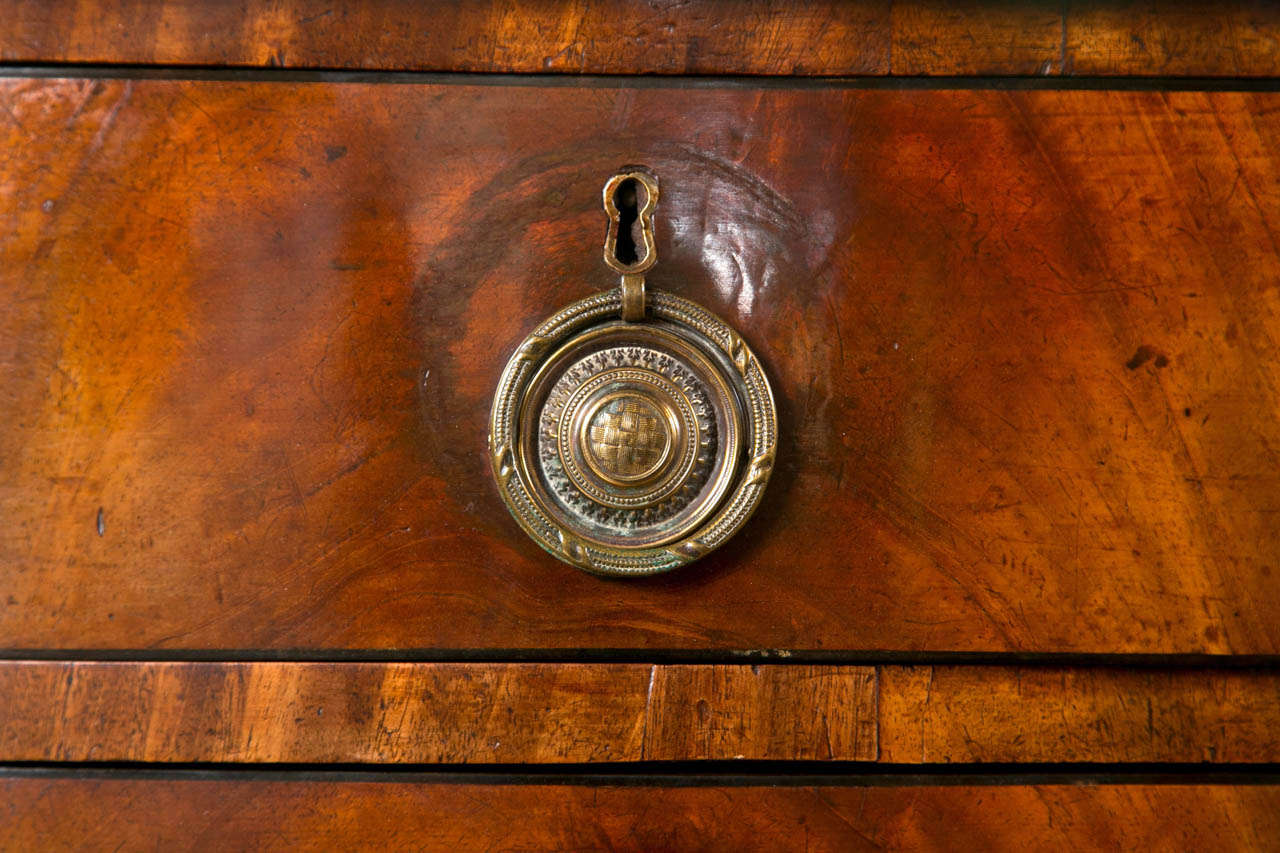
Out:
{"x": 199, "y": 814}
{"x": 548, "y": 36}
{"x": 433, "y": 713}
{"x": 976, "y": 37}
{"x": 489, "y": 713}
{"x": 1208, "y": 38}
{"x": 963, "y": 714}
{"x": 1023, "y": 346}
{"x": 1224, "y": 38}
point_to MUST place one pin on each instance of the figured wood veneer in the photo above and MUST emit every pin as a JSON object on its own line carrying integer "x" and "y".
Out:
{"x": 1023, "y": 346}
{"x": 190, "y": 813}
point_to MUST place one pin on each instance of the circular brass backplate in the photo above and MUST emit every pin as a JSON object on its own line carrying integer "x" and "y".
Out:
{"x": 632, "y": 448}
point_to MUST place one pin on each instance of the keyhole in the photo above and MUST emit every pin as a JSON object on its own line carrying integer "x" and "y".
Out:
{"x": 628, "y": 198}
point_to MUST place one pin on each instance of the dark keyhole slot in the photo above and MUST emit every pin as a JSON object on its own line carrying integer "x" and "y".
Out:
{"x": 628, "y": 198}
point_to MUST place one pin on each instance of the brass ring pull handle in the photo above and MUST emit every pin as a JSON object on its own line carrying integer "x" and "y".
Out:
{"x": 632, "y": 433}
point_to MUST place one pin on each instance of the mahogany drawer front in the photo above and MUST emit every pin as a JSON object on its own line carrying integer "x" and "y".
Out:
{"x": 1022, "y": 344}
{"x": 181, "y": 812}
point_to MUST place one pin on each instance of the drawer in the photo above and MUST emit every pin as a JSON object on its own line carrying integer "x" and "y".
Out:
{"x": 1021, "y": 340}
{"x": 354, "y": 811}
{"x": 1012, "y": 583}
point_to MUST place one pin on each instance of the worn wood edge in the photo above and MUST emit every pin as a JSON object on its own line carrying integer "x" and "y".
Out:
{"x": 1212, "y": 38}
{"x": 97, "y": 814}
{"x": 428, "y": 713}
{"x": 989, "y": 714}
{"x": 750, "y": 37}
{"x": 557, "y": 36}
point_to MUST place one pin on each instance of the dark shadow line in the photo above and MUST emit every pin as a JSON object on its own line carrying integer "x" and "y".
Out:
{"x": 850, "y": 657}
{"x": 471, "y": 78}
{"x": 672, "y": 774}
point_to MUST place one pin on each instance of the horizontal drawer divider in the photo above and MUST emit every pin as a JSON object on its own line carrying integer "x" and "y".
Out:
{"x": 820, "y": 37}
{"x": 1154, "y": 83}
{"x": 706, "y": 657}
{"x": 617, "y": 713}
{"x": 687, "y": 774}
